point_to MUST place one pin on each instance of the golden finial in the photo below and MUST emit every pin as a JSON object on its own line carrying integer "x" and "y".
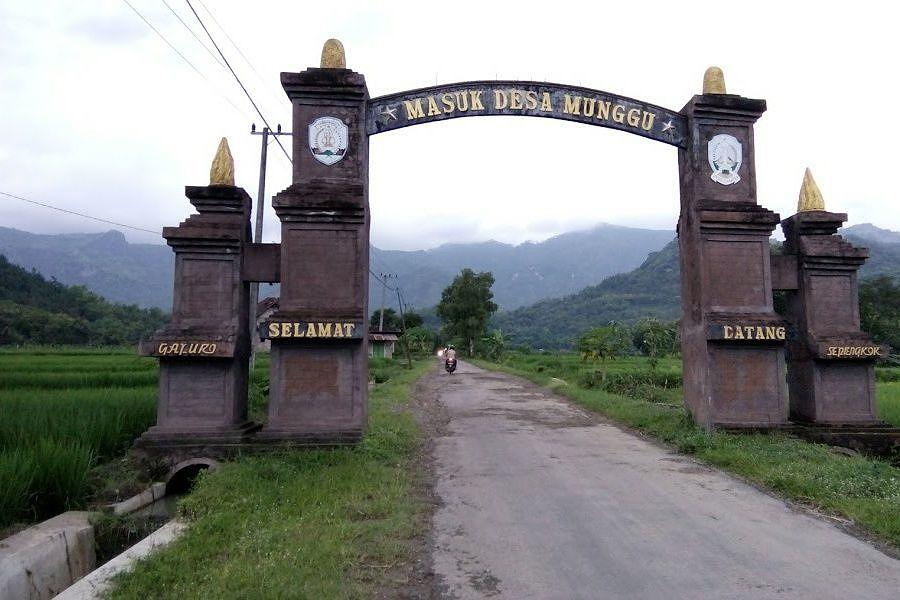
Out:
{"x": 810, "y": 196}
{"x": 222, "y": 170}
{"x": 714, "y": 81}
{"x": 333, "y": 55}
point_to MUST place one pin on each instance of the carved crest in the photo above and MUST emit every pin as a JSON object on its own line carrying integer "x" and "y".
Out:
{"x": 725, "y": 155}
{"x": 328, "y": 139}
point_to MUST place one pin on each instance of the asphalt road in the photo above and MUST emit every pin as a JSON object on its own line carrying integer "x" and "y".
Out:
{"x": 542, "y": 500}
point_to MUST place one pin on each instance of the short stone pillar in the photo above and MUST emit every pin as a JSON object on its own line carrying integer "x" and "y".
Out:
{"x": 831, "y": 373}
{"x": 732, "y": 340}
{"x": 318, "y": 388}
{"x": 204, "y": 351}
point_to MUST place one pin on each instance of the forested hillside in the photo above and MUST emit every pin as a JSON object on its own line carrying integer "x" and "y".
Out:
{"x": 34, "y": 310}
{"x": 105, "y": 263}
{"x": 652, "y": 290}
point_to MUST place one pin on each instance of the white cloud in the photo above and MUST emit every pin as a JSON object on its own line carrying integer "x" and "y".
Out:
{"x": 98, "y": 115}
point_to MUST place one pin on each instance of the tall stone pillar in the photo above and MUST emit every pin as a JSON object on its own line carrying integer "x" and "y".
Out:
{"x": 831, "y": 362}
{"x": 318, "y": 389}
{"x": 732, "y": 340}
{"x": 204, "y": 351}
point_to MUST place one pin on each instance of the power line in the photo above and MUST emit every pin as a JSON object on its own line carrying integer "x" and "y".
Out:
{"x": 191, "y": 31}
{"x": 134, "y": 227}
{"x": 261, "y": 79}
{"x": 72, "y": 212}
{"x": 184, "y": 58}
{"x": 236, "y": 78}
{"x": 380, "y": 280}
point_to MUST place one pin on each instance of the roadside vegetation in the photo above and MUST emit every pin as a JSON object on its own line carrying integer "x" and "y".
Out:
{"x": 336, "y": 523}
{"x": 864, "y": 490}
{"x": 64, "y": 412}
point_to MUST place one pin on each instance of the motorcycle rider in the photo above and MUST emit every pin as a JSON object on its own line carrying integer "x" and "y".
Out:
{"x": 450, "y": 359}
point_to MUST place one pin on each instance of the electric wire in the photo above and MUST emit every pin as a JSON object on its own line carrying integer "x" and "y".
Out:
{"x": 184, "y": 58}
{"x": 86, "y": 216}
{"x": 380, "y": 280}
{"x": 261, "y": 79}
{"x": 156, "y": 233}
{"x": 238, "y": 79}
{"x": 195, "y": 36}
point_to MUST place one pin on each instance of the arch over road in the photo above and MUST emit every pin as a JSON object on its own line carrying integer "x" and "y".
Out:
{"x": 529, "y": 99}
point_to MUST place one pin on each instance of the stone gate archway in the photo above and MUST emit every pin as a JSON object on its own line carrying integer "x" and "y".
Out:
{"x": 733, "y": 342}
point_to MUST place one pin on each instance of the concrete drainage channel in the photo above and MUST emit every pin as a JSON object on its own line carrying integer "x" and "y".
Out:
{"x": 58, "y": 558}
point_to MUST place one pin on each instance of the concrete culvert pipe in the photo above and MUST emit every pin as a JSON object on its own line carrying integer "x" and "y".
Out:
{"x": 181, "y": 478}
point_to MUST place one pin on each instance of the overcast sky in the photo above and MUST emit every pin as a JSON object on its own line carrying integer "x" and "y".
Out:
{"x": 99, "y": 115}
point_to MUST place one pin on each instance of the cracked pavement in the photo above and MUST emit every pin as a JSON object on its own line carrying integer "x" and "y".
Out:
{"x": 541, "y": 499}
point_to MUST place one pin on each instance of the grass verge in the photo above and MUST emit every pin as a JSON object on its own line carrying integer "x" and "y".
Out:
{"x": 888, "y": 394}
{"x": 334, "y": 523}
{"x": 864, "y": 490}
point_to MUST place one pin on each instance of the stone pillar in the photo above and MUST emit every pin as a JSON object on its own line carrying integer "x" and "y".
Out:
{"x": 204, "y": 351}
{"x": 318, "y": 389}
{"x": 831, "y": 362}
{"x": 732, "y": 340}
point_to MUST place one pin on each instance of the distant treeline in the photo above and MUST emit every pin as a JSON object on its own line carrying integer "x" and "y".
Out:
{"x": 34, "y": 310}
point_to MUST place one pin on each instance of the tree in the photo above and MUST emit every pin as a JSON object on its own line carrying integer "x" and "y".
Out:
{"x": 420, "y": 340}
{"x": 494, "y": 344}
{"x": 412, "y": 319}
{"x": 467, "y": 305}
{"x": 393, "y": 320}
{"x": 603, "y": 343}
{"x": 654, "y": 338}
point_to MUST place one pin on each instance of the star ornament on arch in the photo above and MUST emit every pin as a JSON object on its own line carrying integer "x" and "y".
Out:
{"x": 669, "y": 128}
{"x": 388, "y": 114}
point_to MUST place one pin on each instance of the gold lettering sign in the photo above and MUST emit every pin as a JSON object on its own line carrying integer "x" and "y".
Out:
{"x": 312, "y": 329}
{"x": 186, "y": 348}
{"x": 526, "y": 98}
{"x": 754, "y": 332}
{"x": 452, "y": 103}
{"x": 854, "y": 352}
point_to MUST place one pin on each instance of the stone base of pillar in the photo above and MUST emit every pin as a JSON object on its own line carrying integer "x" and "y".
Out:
{"x": 833, "y": 393}
{"x": 317, "y": 393}
{"x": 169, "y": 446}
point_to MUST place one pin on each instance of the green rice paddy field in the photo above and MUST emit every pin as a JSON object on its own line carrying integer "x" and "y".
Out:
{"x": 65, "y": 414}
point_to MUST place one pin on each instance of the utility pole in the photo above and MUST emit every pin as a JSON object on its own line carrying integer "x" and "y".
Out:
{"x": 384, "y": 285}
{"x": 403, "y": 324}
{"x": 257, "y": 231}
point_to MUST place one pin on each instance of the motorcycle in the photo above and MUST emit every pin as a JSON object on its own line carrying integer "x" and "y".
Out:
{"x": 450, "y": 365}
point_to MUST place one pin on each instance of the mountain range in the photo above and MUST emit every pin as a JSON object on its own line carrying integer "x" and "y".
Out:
{"x": 524, "y": 273}
{"x": 549, "y": 292}
{"x": 107, "y": 264}
{"x": 653, "y": 290}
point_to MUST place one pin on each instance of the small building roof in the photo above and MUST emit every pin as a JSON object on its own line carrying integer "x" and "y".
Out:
{"x": 383, "y": 336}
{"x": 269, "y": 303}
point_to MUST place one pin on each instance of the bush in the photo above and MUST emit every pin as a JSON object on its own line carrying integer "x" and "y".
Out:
{"x": 886, "y": 375}
{"x": 603, "y": 343}
{"x": 381, "y": 369}
{"x": 421, "y": 340}
{"x": 638, "y": 384}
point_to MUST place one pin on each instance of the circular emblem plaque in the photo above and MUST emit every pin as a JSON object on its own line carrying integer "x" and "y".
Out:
{"x": 725, "y": 155}
{"x": 328, "y": 139}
